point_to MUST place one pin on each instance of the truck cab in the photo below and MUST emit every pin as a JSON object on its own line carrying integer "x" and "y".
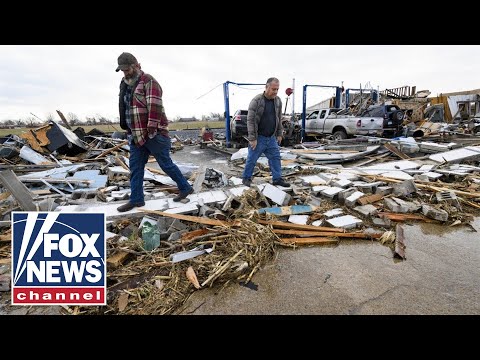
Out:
{"x": 329, "y": 122}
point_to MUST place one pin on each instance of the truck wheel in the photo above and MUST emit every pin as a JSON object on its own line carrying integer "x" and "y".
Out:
{"x": 339, "y": 135}
{"x": 398, "y": 115}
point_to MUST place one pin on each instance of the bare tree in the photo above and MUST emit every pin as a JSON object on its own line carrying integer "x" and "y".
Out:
{"x": 102, "y": 120}
{"x": 50, "y": 117}
{"x": 31, "y": 122}
{"x": 20, "y": 123}
{"x": 72, "y": 119}
{"x": 217, "y": 116}
{"x": 9, "y": 123}
{"x": 91, "y": 121}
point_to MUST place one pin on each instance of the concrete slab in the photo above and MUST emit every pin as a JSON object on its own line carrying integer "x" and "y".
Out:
{"x": 331, "y": 191}
{"x": 319, "y": 188}
{"x": 457, "y": 155}
{"x": 110, "y": 209}
{"x": 298, "y": 219}
{"x": 278, "y": 196}
{"x": 433, "y": 213}
{"x": 312, "y": 179}
{"x": 333, "y": 213}
{"x": 439, "y": 277}
{"x": 238, "y": 191}
{"x": 345, "y": 222}
{"x": 401, "y": 175}
{"x": 366, "y": 210}
{"x": 342, "y": 183}
{"x": 389, "y": 166}
{"x": 207, "y": 197}
{"x": 352, "y": 199}
{"x": 432, "y": 175}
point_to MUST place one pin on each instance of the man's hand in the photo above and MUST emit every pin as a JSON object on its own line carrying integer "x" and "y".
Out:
{"x": 152, "y": 131}
{"x": 253, "y": 144}
{"x": 279, "y": 139}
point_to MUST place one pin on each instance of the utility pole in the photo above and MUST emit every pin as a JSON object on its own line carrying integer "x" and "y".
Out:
{"x": 293, "y": 100}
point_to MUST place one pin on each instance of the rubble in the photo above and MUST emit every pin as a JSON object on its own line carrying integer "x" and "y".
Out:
{"x": 227, "y": 232}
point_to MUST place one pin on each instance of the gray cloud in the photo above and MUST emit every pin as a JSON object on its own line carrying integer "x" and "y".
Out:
{"x": 81, "y": 79}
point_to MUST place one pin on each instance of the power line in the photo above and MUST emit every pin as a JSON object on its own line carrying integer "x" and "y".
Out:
{"x": 209, "y": 91}
{"x": 248, "y": 88}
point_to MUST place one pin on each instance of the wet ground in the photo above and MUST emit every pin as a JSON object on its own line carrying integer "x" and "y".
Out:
{"x": 439, "y": 276}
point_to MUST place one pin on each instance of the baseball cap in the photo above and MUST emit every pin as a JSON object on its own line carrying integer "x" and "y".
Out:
{"x": 125, "y": 60}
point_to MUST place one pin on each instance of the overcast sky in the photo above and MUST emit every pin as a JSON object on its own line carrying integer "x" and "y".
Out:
{"x": 81, "y": 79}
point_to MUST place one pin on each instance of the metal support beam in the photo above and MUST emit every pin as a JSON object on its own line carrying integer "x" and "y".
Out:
{"x": 226, "y": 97}
{"x": 304, "y": 105}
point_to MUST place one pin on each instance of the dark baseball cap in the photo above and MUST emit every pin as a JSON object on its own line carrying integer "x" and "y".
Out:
{"x": 125, "y": 60}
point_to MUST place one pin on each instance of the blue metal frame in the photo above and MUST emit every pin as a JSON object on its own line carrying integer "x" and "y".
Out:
{"x": 226, "y": 97}
{"x": 338, "y": 92}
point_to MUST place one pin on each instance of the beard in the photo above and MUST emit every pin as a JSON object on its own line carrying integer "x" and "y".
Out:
{"x": 130, "y": 80}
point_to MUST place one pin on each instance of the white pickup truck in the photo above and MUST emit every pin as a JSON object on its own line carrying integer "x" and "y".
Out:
{"x": 328, "y": 122}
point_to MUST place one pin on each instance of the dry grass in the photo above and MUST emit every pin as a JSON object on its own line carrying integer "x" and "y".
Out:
{"x": 151, "y": 284}
{"x": 109, "y": 128}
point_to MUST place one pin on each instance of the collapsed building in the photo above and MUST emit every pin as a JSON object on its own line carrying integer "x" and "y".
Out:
{"x": 359, "y": 189}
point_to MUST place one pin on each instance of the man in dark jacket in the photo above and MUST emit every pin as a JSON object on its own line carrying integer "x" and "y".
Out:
{"x": 142, "y": 115}
{"x": 265, "y": 133}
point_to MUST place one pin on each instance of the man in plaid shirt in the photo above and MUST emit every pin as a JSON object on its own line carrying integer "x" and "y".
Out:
{"x": 142, "y": 115}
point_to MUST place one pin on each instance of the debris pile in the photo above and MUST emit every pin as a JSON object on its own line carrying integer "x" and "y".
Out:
{"x": 158, "y": 255}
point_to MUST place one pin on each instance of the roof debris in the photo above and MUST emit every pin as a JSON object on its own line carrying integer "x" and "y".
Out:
{"x": 158, "y": 255}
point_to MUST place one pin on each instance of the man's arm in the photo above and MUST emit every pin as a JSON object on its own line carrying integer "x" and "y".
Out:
{"x": 153, "y": 97}
{"x": 252, "y": 111}
{"x": 280, "y": 126}
{"x": 121, "y": 107}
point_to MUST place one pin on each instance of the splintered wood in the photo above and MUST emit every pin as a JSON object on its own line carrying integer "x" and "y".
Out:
{"x": 239, "y": 252}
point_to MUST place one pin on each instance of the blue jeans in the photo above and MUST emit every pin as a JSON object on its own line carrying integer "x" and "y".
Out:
{"x": 159, "y": 147}
{"x": 269, "y": 147}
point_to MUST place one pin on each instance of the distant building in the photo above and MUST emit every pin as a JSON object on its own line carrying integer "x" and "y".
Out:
{"x": 187, "y": 119}
{"x": 327, "y": 103}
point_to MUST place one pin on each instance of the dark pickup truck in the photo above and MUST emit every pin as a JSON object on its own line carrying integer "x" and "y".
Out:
{"x": 392, "y": 118}
{"x": 238, "y": 125}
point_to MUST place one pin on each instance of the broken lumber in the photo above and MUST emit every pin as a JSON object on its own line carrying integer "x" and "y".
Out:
{"x": 399, "y": 242}
{"x": 423, "y": 186}
{"x": 117, "y": 259}
{"x": 116, "y": 147}
{"x": 282, "y": 224}
{"x": 288, "y": 210}
{"x": 397, "y": 152}
{"x": 404, "y": 217}
{"x": 332, "y": 234}
{"x": 195, "y": 219}
{"x": 364, "y": 200}
{"x": 309, "y": 241}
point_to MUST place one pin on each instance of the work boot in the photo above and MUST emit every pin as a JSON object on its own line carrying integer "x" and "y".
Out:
{"x": 281, "y": 182}
{"x": 129, "y": 206}
{"x": 247, "y": 182}
{"x": 183, "y": 195}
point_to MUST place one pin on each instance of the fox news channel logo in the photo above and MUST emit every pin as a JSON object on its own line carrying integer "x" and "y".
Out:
{"x": 58, "y": 258}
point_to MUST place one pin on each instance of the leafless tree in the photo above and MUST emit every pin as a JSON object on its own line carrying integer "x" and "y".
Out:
{"x": 73, "y": 119}
{"x": 31, "y": 122}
